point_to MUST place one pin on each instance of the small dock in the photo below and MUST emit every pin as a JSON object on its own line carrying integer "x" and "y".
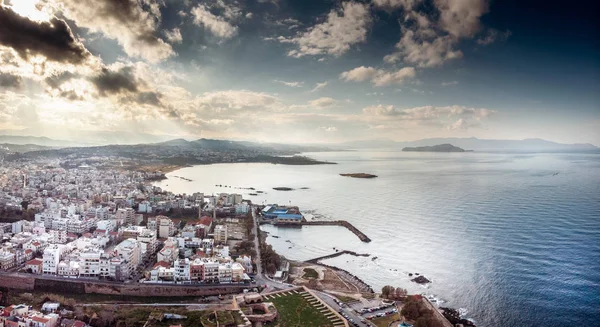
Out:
{"x": 343, "y": 223}
{"x": 337, "y": 254}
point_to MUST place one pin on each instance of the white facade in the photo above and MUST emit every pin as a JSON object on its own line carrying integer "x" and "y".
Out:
{"x": 51, "y": 259}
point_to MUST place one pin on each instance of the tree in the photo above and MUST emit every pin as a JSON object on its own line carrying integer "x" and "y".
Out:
{"x": 386, "y": 291}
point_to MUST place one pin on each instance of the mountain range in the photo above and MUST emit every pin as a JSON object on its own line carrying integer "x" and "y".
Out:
{"x": 476, "y": 144}
{"x": 472, "y": 143}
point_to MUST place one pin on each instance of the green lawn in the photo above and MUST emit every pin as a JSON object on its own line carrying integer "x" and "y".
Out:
{"x": 310, "y": 273}
{"x": 295, "y": 311}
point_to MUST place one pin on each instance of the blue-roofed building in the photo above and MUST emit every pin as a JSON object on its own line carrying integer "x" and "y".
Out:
{"x": 279, "y": 214}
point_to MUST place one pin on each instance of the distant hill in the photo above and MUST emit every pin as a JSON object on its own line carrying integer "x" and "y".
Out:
{"x": 34, "y": 140}
{"x": 435, "y": 148}
{"x": 240, "y": 145}
{"x": 476, "y": 144}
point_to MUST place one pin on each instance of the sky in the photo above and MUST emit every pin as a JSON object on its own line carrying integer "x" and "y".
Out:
{"x": 300, "y": 71}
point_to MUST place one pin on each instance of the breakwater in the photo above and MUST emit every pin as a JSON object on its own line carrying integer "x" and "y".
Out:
{"x": 345, "y": 275}
{"x": 342, "y": 223}
{"x": 337, "y": 254}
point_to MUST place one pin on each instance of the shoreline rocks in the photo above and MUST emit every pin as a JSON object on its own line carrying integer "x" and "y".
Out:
{"x": 421, "y": 280}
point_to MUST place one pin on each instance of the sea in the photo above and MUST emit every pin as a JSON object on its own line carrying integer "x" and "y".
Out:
{"x": 512, "y": 239}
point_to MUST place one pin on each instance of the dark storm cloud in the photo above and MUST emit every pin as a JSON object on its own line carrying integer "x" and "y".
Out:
{"x": 10, "y": 81}
{"x": 151, "y": 98}
{"x": 114, "y": 82}
{"x": 54, "y": 39}
{"x": 57, "y": 80}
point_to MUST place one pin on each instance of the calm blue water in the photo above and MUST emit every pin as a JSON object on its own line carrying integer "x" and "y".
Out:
{"x": 498, "y": 234}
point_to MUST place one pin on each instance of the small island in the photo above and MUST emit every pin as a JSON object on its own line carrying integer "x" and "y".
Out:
{"x": 435, "y": 148}
{"x": 359, "y": 175}
{"x": 283, "y": 188}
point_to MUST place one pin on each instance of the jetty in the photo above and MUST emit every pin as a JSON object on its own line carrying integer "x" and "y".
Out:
{"x": 342, "y": 223}
{"x": 337, "y": 254}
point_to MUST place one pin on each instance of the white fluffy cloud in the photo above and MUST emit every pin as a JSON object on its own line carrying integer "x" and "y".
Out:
{"x": 174, "y": 35}
{"x": 341, "y": 30}
{"x": 324, "y": 102}
{"x": 126, "y": 21}
{"x": 290, "y": 84}
{"x": 215, "y": 24}
{"x": 430, "y": 40}
{"x": 428, "y": 112}
{"x": 378, "y": 77}
{"x": 319, "y": 86}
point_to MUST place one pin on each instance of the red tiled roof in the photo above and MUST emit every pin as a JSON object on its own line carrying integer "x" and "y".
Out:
{"x": 36, "y": 244}
{"x": 79, "y": 323}
{"x": 162, "y": 264}
{"x": 35, "y": 262}
{"x": 40, "y": 319}
{"x": 28, "y": 251}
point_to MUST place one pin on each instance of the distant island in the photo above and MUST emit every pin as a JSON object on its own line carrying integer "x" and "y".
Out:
{"x": 359, "y": 175}
{"x": 435, "y": 148}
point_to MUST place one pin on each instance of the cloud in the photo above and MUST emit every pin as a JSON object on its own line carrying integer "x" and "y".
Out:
{"x": 116, "y": 81}
{"x": 9, "y": 81}
{"x": 319, "y": 86}
{"x": 323, "y": 102}
{"x": 126, "y": 21}
{"x": 428, "y": 112}
{"x": 329, "y": 129}
{"x": 394, "y": 4}
{"x": 431, "y": 38}
{"x": 53, "y": 39}
{"x": 215, "y": 24}
{"x": 424, "y": 53}
{"x": 174, "y": 36}
{"x": 342, "y": 29}
{"x": 492, "y": 36}
{"x": 378, "y": 77}
{"x": 290, "y": 84}
{"x": 449, "y": 83}
{"x": 460, "y": 18}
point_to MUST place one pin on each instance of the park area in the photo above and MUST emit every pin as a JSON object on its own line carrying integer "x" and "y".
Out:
{"x": 300, "y": 309}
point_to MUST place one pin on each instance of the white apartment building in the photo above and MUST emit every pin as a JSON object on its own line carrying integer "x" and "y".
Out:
{"x": 166, "y": 227}
{"x": 58, "y": 236}
{"x": 77, "y": 226}
{"x": 211, "y": 271}
{"x": 7, "y": 259}
{"x": 148, "y": 238}
{"x": 130, "y": 251}
{"x": 182, "y": 270}
{"x": 125, "y": 216}
{"x": 50, "y": 259}
{"x": 220, "y": 233}
{"x": 89, "y": 264}
{"x": 225, "y": 273}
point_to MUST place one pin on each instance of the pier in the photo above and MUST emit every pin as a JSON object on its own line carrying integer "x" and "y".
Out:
{"x": 342, "y": 223}
{"x": 337, "y": 254}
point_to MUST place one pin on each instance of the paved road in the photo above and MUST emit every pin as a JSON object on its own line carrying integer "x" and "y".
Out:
{"x": 260, "y": 278}
{"x": 356, "y": 317}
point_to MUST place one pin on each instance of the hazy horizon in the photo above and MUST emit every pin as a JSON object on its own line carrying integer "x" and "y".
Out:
{"x": 299, "y": 71}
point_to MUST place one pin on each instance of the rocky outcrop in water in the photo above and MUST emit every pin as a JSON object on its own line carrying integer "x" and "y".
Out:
{"x": 421, "y": 280}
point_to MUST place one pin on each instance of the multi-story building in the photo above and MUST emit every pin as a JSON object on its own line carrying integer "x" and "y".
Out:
{"x": 220, "y": 233}
{"x": 50, "y": 259}
{"x": 182, "y": 270}
{"x": 89, "y": 264}
{"x": 166, "y": 227}
{"x": 36, "y": 266}
{"x": 149, "y": 241}
{"x": 225, "y": 273}
{"x": 7, "y": 259}
{"x": 210, "y": 271}
{"x": 125, "y": 216}
{"x": 130, "y": 251}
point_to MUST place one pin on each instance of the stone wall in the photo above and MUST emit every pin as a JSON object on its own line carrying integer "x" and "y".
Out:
{"x": 26, "y": 283}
